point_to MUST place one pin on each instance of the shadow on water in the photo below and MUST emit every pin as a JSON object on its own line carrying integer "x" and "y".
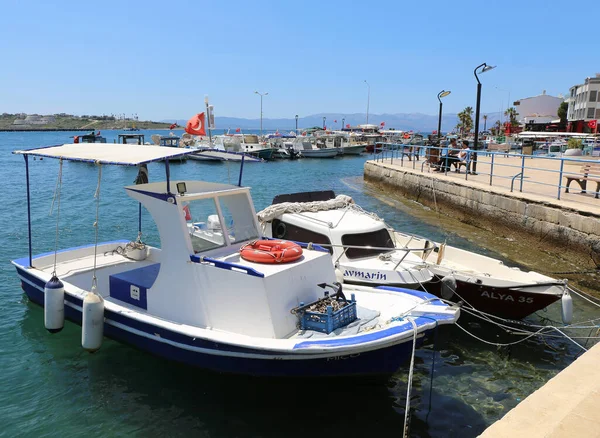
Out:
{"x": 121, "y": 388}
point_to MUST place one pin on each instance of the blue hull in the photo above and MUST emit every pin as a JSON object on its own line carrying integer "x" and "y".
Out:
{"x": 380, "y": 362}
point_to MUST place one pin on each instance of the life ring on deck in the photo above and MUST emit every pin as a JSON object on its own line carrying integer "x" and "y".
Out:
{"x": 406, "y": 136}
{"x": 271, "y": 251}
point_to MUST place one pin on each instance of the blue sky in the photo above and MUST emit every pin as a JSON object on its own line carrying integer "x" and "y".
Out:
{"x": 158, "y": 59}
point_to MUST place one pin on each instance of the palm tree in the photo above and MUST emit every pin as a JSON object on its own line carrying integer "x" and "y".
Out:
{"x": 485, "y": 117}
{"x": 511, "y": 113}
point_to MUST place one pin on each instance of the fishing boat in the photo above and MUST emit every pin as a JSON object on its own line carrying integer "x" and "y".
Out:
{"x": 314, "y": 148}
{"x": 345, "y": 144}
{"x": 366, "y": 251}
{"x": 212, "y": 297}
{"x": 248, "y": 144}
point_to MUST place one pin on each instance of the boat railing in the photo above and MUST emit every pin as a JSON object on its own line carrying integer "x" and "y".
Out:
{"x": 383, "y": 249}
{"x": 524, "y": 170}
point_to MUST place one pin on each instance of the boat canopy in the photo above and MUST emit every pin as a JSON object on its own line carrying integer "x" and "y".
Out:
{"x": 107, "y": 153}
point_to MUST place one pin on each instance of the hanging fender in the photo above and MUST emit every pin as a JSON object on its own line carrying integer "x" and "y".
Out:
{"x": 271, "y": 251}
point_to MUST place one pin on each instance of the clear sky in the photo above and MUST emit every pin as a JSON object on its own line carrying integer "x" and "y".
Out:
{"x": 159, "y": 58}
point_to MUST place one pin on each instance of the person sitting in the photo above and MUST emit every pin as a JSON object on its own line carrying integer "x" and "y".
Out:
{"x": 464, "y": 156}
{"x": 448, "y": 156}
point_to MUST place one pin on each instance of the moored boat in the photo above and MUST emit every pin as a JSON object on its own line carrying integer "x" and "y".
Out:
{"x": 199, "y": 300}
{"x": 367, "y": 251}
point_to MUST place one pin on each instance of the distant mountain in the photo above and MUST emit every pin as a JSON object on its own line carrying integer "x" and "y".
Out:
{"x": 404, "y": 121}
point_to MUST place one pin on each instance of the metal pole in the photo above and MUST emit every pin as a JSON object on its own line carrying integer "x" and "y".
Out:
{"x": 28, "y": 207}
{"x": 368, "y": 100}
{"x": 560, "y": 176}
{"x": 440, "y": 121}
{"x": 261, "y": 115}
{"x": 168, "y": 174}
{"x": 241, "y": 171}
{"x": 208, "y": 117}
{"x": 492, "y": 169}
{"x": 522, "y": 173}
{"x": 476, "y": 141}
{"x": 296, "y": 124}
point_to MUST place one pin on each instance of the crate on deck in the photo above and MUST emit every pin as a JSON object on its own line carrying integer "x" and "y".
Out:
{"x": 329, "y": 319}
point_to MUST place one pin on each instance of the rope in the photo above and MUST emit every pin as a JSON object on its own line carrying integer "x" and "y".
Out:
{"x": 410, "y": 378}
{"x": 57, "y": 191}
{"x": 97, "y": 196}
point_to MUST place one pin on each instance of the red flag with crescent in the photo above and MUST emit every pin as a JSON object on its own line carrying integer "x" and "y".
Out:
{"x": 593, "y": 124}
{"x": 195, "y": 125}
{"x": 188, "y": 215}
{"x": 348, "y": 126}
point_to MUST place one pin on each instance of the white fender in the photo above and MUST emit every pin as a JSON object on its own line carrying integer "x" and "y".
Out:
{"x": 448, "y": 286}
{"x": 567, "y": 308}
{"x": 339, "y": 275}
{"x": 92, "y": 325}
{"x": 54, "y": 305}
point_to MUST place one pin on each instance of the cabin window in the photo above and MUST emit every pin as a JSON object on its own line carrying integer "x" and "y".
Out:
{"x": 283, "y": 230}
{"x": 238, "y": 217}
{"x": 203, "y": 225}
{"x": 379, "y": 239}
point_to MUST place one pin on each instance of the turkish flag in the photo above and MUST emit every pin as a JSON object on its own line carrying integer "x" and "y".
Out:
{"x": 186, "y": 210}
{"x": 195, "y": 125}
{"x": 434, "y": 131}
{"x": 348, "y": 126}
{"x": 173, "y": 126}
{"x": 238, "y": 130}
{"x": 382, "y": 124}
{"x": 592, "y": 124}
{"x": 335, "y": 121}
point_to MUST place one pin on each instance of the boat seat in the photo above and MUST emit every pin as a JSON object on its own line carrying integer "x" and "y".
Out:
{"x": 132, "y": 286}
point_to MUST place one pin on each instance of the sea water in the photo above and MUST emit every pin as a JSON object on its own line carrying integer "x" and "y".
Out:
{"x": 50, "y": 386}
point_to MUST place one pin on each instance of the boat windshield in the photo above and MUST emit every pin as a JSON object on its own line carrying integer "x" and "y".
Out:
{"x": 206, "y": 228}
{"x": 378, "y": 239}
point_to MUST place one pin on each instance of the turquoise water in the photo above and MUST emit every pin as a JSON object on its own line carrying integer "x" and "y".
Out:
{"x": 49, "y": 386}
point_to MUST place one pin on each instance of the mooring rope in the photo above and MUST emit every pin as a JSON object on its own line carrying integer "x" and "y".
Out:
{"x": 57, "y": 191}
{"x": 410, "y": 378}
{"x": 97, "y": 196}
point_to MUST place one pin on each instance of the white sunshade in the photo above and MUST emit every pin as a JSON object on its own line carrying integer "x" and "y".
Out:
{"x": 108, "y": 153}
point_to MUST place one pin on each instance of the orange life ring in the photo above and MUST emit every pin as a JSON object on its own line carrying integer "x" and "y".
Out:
{"x": 271, "y": 251}
{"x": 406, "y": 136}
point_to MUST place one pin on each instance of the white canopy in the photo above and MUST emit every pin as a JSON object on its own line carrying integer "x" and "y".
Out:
{"x": 108, "y": 153}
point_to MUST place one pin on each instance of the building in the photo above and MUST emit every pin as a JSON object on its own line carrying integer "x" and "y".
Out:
{"x": 584, "y": 104}
{"x": 538, "y": 113}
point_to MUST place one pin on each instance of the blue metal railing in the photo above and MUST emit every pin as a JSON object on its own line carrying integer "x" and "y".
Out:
{"x": 384, "y": 152}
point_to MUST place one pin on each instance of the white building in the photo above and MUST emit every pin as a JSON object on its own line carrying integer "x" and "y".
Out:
{"x": 584, "y": 103}
{"x": 542, "y": 109}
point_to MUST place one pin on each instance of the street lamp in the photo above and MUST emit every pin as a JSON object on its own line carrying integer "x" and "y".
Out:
{"x": 343, "y": 120}
{"x": 368, "y": 99}
{"x": 484, "y": 67}
{"x": 296, "y": 124}
{"x": 324, "y": 118}
{"x": 261, "y": 97}
{"x": 441, "y": 94}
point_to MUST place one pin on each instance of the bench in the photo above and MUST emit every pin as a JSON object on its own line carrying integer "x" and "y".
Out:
{"x": 588, "y": 172}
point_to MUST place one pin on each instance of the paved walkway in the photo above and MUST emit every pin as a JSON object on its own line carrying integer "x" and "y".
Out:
{"x": 566, "y": 406}
{"x": 540, "y": 183}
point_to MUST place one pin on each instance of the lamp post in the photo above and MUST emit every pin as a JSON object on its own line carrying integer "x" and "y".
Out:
{"x": 484, "y": 67}
{"x": 261, "y": 97}
{"x": 324, "y": 118}
{"x": 343, "y": 120}
{"x": 296, "y": 124}
{"x": 441, "y": 94}
{"x": 368, "y": 99}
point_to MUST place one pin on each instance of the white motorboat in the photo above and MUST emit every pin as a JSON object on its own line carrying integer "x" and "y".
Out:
{"x": 314, "y": 150}
{"x": 201, "y": 301}
{"x": 345, "y": 144}
{"x": 366, "y": 251}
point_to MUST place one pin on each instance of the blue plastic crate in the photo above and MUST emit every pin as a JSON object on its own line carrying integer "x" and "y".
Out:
{"x": 328, "y": 322}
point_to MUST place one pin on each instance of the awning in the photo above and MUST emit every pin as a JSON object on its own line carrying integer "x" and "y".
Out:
{"x": 108, "y": 153}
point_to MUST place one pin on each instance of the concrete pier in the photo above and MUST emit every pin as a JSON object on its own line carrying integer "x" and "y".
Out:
{"x": 566, "y": 406}
{"x": 573, "y": 221}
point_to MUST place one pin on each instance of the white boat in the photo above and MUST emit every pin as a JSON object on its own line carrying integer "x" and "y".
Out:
{"x": 311, "y": 148}
{"x": 249, "y": 144}
{"x": 345, "y": 144}
{"x": 198, "y": 301}
{"x": 366, "y": 251}
{"x": 207, "y": 151}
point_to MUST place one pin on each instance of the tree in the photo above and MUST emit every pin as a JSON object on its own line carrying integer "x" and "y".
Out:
{"x": 485, "y": 117}
{"x": 562, "y": 114}
{"x": 497, "y": 128}
{"x": 465, "y": 118}
{"x": 511, "y": 113}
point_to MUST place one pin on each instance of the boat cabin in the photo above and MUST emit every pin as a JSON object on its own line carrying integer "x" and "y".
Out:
{"x": 90, "y": 138}
{"x": 131, "y": 139}
{"x": 169, "y": 141}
